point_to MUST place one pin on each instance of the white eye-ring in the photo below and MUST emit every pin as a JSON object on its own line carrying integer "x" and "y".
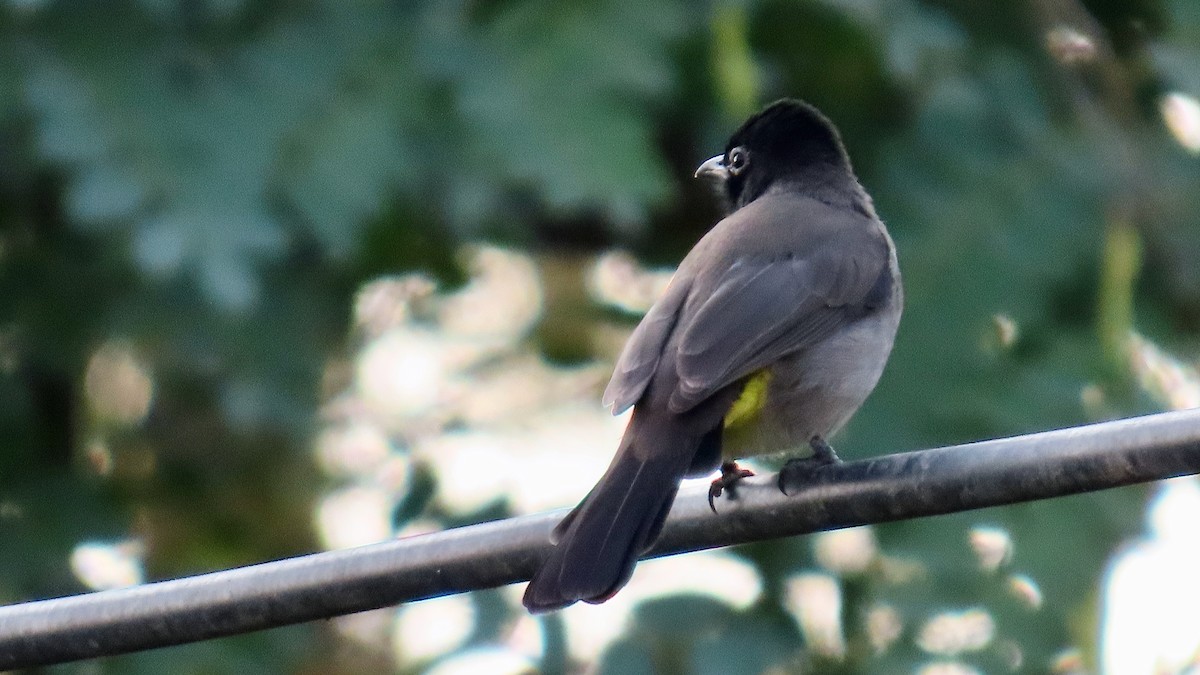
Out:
{"x": 738, "y": 158}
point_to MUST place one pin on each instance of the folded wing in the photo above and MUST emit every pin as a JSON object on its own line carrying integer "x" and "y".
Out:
{"x": 765, "y": 309}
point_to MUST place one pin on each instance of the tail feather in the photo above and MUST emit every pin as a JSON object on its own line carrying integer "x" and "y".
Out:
{"x": 600, "y": 541}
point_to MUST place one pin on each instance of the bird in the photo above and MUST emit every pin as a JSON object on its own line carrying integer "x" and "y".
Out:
{"x": 772, "y": 332}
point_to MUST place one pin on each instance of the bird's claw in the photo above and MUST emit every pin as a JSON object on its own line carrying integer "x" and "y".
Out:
{"x": 731, "y": 473}
{"x": 798, "y": 468}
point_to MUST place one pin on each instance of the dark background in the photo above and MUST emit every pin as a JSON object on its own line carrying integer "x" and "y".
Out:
{"x": 212, "y": 352}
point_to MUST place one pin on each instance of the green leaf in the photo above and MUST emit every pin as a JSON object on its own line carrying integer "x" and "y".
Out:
{"x": 552, "y": 96}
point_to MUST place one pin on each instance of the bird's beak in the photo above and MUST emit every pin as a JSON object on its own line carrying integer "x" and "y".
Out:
{"x": 715, "y": 167}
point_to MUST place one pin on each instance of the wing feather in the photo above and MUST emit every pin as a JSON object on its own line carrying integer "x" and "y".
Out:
{"x": 764, "y": 310}
{"x": 644, "y": 349}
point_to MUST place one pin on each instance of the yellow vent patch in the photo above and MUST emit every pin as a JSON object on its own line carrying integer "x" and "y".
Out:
{"x": 751, "y": 401}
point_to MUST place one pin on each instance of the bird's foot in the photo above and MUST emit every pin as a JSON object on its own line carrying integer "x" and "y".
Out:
{"x": 797, "y": 469}
{"x": 731, "y": 474}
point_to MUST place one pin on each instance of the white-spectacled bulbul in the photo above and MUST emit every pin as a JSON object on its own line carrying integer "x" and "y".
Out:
{"x": 771, "y": 334}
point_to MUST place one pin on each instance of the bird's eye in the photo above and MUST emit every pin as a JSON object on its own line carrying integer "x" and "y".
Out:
{"x": 738, "y": 159}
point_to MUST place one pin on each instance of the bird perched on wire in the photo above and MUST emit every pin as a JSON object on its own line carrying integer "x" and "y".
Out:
{"x": 771, "y": 334}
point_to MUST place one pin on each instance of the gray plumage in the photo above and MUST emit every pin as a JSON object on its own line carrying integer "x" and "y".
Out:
{"x": 800, "y": 280}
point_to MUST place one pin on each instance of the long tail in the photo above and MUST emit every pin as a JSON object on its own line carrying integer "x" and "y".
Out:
{"x": 600, "y": 541}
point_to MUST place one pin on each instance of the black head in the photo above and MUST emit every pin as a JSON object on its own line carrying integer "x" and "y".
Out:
{"x": 789, "y": 143}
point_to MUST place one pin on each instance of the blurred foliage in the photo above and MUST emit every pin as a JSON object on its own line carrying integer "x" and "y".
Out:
{"x": 208, "y": 183}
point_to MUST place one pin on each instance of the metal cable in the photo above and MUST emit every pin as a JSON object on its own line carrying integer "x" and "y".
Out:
{"x": 323, "y": 585}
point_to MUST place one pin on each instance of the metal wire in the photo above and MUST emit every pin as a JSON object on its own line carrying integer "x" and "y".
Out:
{"x": 323, "y": 585}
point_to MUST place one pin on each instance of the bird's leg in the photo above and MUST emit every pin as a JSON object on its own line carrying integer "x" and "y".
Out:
{"x": 731, "y": 473}
{"x": 822, "y": 451}
{"x": 798, "y": 468}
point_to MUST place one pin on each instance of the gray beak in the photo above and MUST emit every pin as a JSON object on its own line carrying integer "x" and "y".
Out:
{"x": 715, "y": 167}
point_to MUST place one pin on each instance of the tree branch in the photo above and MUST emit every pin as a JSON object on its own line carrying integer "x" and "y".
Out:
{"x": 323, "y": 585}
